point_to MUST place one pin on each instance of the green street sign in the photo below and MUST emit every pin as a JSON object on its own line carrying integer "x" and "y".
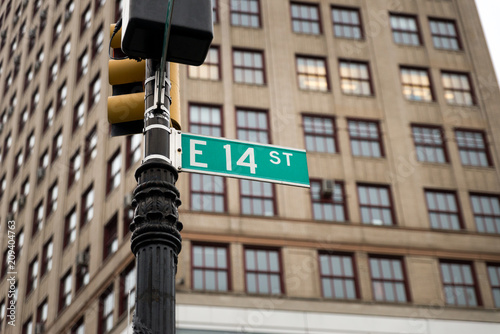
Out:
{"x": 245, "y": 160}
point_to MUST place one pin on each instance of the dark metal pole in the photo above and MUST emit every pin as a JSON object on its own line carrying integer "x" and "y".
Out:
{"x": 156, "y": 241}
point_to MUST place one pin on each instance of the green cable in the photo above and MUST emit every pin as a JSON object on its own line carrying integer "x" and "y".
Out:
{"x": 163, "y": 61}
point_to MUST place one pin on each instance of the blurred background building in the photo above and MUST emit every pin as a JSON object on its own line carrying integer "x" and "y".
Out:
{"x": 395, "y": 101}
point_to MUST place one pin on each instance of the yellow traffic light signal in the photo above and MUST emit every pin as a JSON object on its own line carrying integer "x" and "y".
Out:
{"x": 126, "y": 106}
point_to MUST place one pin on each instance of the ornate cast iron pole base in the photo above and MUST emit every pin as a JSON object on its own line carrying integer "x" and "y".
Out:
{"x": 156, "y": 241}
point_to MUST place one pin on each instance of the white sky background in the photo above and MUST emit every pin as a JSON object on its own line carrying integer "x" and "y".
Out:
{"x": 489, "y": 12}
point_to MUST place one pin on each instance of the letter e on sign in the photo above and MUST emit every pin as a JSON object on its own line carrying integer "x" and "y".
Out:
{"x": 194, "y": 152}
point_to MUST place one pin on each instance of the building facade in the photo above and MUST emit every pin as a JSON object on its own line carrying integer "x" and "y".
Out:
{"x": 396, "y": 103}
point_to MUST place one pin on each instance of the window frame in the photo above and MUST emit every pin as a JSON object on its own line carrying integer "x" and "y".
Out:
{"x": 361, "y": 139}
{"x": 245, "y": 67}
{"x": 194, "y": 72}
{"x": 473, "y": 276}
{"x": 492, "y": 215}
{"x": 421, "y": 146}
{"x": 69, "y": 235}
{"x": 469, "y": 149}
{"x": 342, "y": 24}
{"x": 301, "y": 20}
{"x": 124, "y": 304}
{"x": 494, "y": 287}
{"x": 416, "y": 87}
{"x": 418, "y": 32}
{"x": 404, "y": 280}
{"x": 439, "y": 212}
{"x": 216, "y": 268}
{"x": 86, "y": 207}
{"x": 323, "y": 136}
{"x": 358, "y": 80}
{"x": 110, "y": 237}
{"x": 309, "y": 74}
{"x": 268, "y": 273}
{"x": 457, "y": 37}
{"x": 329, "y": 201}
{"x": 378, "y": 207}
{"x": 47, "y": 257}
{"x": 113, "y": 176}
{"x": 65, "y": 297}
{"x": 104, "y": 317}
{"x": 240, "y": 13}
{"x": 471, "y": 90}
{"x": 332, "y": 276}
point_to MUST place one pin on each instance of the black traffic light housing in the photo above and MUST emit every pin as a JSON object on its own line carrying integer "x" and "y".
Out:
{"x": 190, "y": 34}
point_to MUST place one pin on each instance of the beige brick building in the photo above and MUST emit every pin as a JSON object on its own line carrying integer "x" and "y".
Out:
{"x": 396, "y": 103}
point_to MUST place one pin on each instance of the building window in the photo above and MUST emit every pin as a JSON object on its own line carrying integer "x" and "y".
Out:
{"x": 85, "y": 20}
{"x": 91, "y": 145}
{"x": 57, "y": 144}
{"x": 429, "y": 144}
{"x": 99, "y": 4}
{"x": 35, "y": 99}
{"x": 473, "y": 148}
{"x": 65, "y": 291}
{"x": 459, "y": 283}
{"x": 110, "y": 237}
{"x": 263, "y": 271}
{"x": 347, "y": 23}
{"x": 28, "y": 77}
{"x": 43, "y": 162}
{"x": 207, "y": 191}
{"x": 18, "y": 162}
{"x": 305, "y": 18}
{"x": 23, "y": 119}
{"x": 257, "y": 198}
{"x": 94, "y": 91}
{"x": 30, "y": 144}
{"x": 78, "y": 114}
{"x": 388, "y": 280}
{"x": 83, "y": 65}
{"x": 311, "y": 73}
{"x": 106, "y": 306}
{"x": 42, "y": 312}
{"x": 79, "y": 327}
{"x": 328, "y": 201}
{"x": 62, "y": 95}
{"x": 75, "y": 164}
{"x": 52, "y": 199}
{"x": 215, "y": 11}
{"x": 3, "y": 185}
{"x": 65, "y": 52}
{"x": 127, "y": 287}
{"x": 245, "y": 13}
{"x": 57, "y": 30}
{"x": 28, "y": 326}
{"x": 114, "y": 168}
{"x": 97, "y": 41}
{"x": 320, "y": 134}
{"x": 53, "y": 72}
{"x": 416, "y": 84}
{"x": 134, "y": 152}
{"x": 32, "y": 276}
{"x": 87, "y": 208}
{"x": 70, "y": 8}
{"x": 486, "y": 209}
{"x": 47, "y": 253}
{"x": 494, "y": 273}
{"x": 210, "y": 70}
{"x": 338, "y": 278}
{"x": 210, "y": 268}
{"x": 375, "y": 203}
{"x": 48, "y": 119}
{"x": 70, "y": 228}
{"x": 128, "y": 217}
{"x": 355, "y": 78}
{"x": 444, "y": 34}
{"x": 82, "y": 269}
{"x": 405, "y": 29}
{"x": 366, "y": 140}
{"x": 38, "y": 218}
{"x": 457, "y": 88}
{"x": 444, "y": 212}
{"x": 248, "y": 67}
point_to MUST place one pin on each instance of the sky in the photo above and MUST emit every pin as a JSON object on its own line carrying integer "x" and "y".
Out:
{"x": 488, "y": 11}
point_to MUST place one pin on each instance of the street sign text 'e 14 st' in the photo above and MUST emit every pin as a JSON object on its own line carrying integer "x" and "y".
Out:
{"x": 241, "y": 159}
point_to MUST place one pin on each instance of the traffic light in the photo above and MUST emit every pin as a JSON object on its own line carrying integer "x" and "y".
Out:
{"x": 191, "y": 30}
{"x": 126, "y": 106}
